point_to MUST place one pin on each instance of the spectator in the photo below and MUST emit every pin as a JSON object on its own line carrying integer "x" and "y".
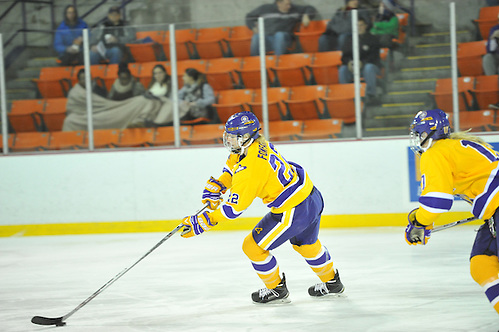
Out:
{"x": 111, "y": 37}
{"x": 196, "y": 96}
{"x": 369, "y": 61}
{"x": 386, "y": 25}
{"x": 281, "y": 18}
{"x": 490, "y": 61}
{"x": 68, "y": 39}
{"x": 160, "y": 85}
{"x": 125, "y": 86}
{"x": 100, "y": 90}
{"x": 339, "y": 28}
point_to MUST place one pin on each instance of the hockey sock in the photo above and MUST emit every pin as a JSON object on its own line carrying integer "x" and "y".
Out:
{"x": 318, "y": 258}
{"x": 263, "y": 262}
{"x": 485, "y": 271}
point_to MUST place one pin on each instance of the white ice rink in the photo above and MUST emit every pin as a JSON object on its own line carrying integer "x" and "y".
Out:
{"x": 204, "y": 284}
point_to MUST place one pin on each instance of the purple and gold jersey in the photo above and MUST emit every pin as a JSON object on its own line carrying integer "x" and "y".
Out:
{"x": 458, "y": 167}
{"x": 262, "y": 173}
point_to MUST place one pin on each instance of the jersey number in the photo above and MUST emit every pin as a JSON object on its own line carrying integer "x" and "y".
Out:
{"x": 480, "y": 149}
{"x": 284, "y": 172}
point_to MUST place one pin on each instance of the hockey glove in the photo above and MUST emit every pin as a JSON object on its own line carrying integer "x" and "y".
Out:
{"x": 416, "y": 233}
{"x": 212, "y": 193}
{"x": 195, "y": 225}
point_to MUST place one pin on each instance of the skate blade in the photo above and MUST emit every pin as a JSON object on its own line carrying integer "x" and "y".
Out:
{"x": 285, "y": 300}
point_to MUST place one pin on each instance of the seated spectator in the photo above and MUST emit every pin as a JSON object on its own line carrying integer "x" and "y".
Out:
{"x": 385, "y": 25}
{"x": 160, "y": 85}
{"x": 125, "y": 86}
{"x": 339, "y": 27}
{"x": 281, "y": 18}
{"x": 369, "y": 61}
{"x": 196, "y": 96}
{"x": 97, "y": 89}
{"x": 111, "y": 37}
{"x": 490, "y": 61}
{"x": 68, "y": 39}
{"x": 138, "y": 111}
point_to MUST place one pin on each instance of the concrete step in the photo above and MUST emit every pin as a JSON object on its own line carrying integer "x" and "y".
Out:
{"x": 422, "y": 73}
{"x": 17, "y": 94}
{"x": 434, "y": 60}
{"x": 401, "y": 85}
{"x": 442, "y": 37}
{"x": 430, "y": 49}
{"x": 20, "y": 83}
{"x": 407, "y": 96}
{"x": 30, "y": 72}
{"x": 386, "y": 131}
{"x": 43, "y": 62}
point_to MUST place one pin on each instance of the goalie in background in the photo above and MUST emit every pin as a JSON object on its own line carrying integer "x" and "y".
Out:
{"x": 464, "y": 165}
{"x": 253, "y": 169}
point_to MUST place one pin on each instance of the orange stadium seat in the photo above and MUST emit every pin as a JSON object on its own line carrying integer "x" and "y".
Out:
{"x": 49, "y": 82}
{"x": 324, "y": 67}
{"x": 309, "y": 36}
{"x": 32, "y": 141}
{"x": 239, "y": 41}
{"x": 145, "y": 52}
{"x": 486, "y": 91}
{"x": 104, "y": 138}
{"x": 403, "y": 23}
{"x": 220, "y": 73}
{"x": 136, "y": 137}
{"x": 10, "y": 141}
{"x": 206, "y": 134}
{"x": 54, "y": 114}
{"x": 23, "y": 114}
{"x": 321, "y": 128}
{"x": 477, "y": 121}
{"x": 232, "y": 101}
{"x": 164, "y": 136}
{"x": 443, "y": 93}
{"x": 285, "y": 130}
{"x": 183, "y": 40}
{"x": 289, "y": 69}
{"x": 276, "y": 108}
{"x": 304, "y": 102}
{"x": 339, "y": 102}
{"x": 469, "y": 57}
{"x": 209, "y": 42}
{"x": 249, "y": 74}
{"x": 487, "y": 18}
{"x": 66, "y": 140}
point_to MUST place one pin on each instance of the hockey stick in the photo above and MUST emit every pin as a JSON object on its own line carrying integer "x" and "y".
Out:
{"x": 452, "y": 224}
{"x": 60, "y": 321}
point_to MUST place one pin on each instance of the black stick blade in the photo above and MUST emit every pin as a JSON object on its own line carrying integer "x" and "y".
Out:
{"x": 47, "y": 321}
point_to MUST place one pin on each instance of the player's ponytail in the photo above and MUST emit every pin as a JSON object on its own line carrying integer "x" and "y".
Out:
{"x": 464, "y": 135}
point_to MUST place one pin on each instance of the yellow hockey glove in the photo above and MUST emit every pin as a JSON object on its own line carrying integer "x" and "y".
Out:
{"x": 212, "y": 193}
{"x": 197, "y": 224}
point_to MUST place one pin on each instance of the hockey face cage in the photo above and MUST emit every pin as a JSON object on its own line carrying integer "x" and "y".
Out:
{"x": 435, "y": 125}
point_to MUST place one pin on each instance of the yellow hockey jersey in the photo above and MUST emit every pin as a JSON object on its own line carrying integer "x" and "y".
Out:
{"x": 262, "y": 173}
{"x": 458, "y": 167}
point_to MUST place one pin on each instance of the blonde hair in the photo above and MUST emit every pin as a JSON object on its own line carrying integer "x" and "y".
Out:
{"x": 464, "y": 135}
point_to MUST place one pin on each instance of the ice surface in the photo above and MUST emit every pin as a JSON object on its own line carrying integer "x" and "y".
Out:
{"x": 204, "y": 284}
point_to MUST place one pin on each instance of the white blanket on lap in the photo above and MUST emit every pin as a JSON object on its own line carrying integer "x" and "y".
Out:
{"x": 110, "y": 114}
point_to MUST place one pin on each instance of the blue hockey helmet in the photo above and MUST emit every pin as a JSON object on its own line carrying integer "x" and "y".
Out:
{"x": 428, "y": 126}
{"x": 240, "y": 131}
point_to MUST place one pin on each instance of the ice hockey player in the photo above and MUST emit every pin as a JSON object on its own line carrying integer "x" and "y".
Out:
{"x": 253, "y": 169}
{"x": 464, "y": 165}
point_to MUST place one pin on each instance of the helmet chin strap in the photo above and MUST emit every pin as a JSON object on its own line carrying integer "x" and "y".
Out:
{"x": 426, "y": 140}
